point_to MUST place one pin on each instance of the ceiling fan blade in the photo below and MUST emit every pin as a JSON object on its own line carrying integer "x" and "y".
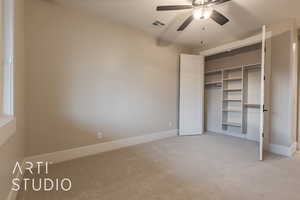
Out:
{"x": 178, "y": 7}
{"x": 186, "y": 23}
{"x": 219, "y": 18}
{"x": 217, "y": 2}
{"x": 221, "y": 1}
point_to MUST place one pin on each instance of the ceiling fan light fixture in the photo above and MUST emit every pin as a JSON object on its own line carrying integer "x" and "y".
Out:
{"x": 207, "y": 14}
{"x": 201, "y": 13}
{"x": 198, "y": 13}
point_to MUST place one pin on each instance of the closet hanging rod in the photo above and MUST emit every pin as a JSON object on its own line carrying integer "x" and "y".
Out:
{"x": 233, "y": 90}
{"x": 213, "y": 72}
{"x": 248, "y": 105}
{"x": 231, "y": 110}
{"x": 232, "y": 100}
{"x": 233, "y": 68}
{"x": 213, "y": 83}
{"x": 233, "y": 79}
{"x": 217, "y": 71}
{"x": 253, "y": 65}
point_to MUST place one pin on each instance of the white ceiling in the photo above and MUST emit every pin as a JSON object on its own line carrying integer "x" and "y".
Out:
{"x": 246, "y": 18}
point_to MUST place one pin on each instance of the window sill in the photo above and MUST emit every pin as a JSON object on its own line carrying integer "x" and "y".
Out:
{"x": 7, "y": 128}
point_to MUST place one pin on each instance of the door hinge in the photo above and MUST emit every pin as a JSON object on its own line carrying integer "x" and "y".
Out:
{"x": 264, "y": 108}
{"x": 263, "y": 135}
{"x": 264, "y": 78}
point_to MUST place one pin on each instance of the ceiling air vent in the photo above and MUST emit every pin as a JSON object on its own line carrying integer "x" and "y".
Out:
{"x": 158, "y": 23}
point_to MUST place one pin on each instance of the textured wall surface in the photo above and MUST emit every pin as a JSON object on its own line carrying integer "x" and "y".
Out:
{"x": 88, "y": 75}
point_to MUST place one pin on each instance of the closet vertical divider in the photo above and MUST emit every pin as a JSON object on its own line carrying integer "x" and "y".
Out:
{"x": 223, "y": 101}
{"x": 244, "y": 94}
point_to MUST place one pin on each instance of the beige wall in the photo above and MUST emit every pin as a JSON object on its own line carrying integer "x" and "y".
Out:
{"x": 88, "y": 75}
{"x": 13, "y": 150}
{"x": 298, "y": 136}
{"x": 280, "y": 89}
{"x": 283, "y": 83}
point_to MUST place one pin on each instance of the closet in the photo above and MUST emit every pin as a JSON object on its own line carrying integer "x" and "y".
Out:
{"x": 224, "y": 93}
{"x": 233, "y": 93}
{"x": 224, "y": 90}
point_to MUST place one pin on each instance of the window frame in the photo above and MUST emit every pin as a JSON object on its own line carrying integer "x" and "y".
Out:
{"x": 7, "y": 75}
{"x": 7, "y": 115}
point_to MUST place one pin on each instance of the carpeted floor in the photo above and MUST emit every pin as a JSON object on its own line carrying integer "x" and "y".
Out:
{"x": 208, "y": 167}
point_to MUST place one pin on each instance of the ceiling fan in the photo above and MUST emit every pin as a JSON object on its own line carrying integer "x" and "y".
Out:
{"x": 202, "y": 9}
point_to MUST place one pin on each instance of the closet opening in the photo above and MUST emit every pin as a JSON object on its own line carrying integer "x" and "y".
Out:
{"x": 232, "y": 94}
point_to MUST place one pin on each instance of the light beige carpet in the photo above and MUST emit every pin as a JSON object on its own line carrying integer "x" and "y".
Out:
{"x": 208, "y": 167}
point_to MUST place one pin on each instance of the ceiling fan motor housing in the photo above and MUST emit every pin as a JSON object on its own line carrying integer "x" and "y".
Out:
{"x": 203, "y": 2}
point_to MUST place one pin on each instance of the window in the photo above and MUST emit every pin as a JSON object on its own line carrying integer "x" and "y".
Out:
{"x": 7, "y": 118}
{"x": 7, "y": 74}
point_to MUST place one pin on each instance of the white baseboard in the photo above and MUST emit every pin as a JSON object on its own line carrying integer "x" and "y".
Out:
{"x": 7, "y": 129}
{"x": 283, "y": 150}
{"x": 70, "y": 154}
{"x": 190, "y": 133}
{"x": 12, "y": 195}
{"x": 294, "y": 148}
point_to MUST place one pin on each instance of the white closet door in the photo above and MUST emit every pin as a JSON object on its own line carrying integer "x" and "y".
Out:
{"x": 191, "y": 95}
{"x": 262, "y": 101}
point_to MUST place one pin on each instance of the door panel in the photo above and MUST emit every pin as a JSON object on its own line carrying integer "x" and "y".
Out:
{"x": 262, "y": 101}
{"x": 191, "y": 94}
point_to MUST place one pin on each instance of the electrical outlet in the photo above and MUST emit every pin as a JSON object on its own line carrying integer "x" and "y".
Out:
{"x": 170, "y": 124}
{"x": 99, "y": 135}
